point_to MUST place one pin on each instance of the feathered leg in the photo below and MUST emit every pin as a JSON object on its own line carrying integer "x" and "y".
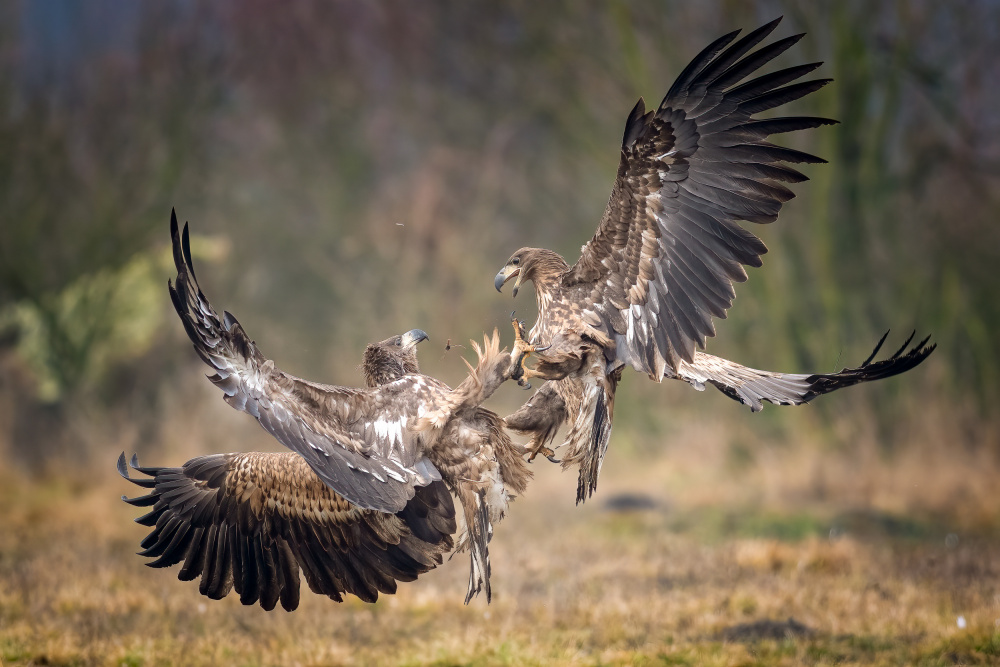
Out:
{"x": 541, "y": 417}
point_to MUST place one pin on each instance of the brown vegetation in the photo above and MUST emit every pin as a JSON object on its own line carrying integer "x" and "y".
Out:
{"x": 709, "y": 572}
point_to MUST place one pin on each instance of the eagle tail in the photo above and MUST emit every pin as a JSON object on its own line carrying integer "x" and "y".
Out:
{"x": 588, "y": 437}
{"x": 593, "y": 458}
{"x": 752, "y": 387}
{"x": 479, "y": 532}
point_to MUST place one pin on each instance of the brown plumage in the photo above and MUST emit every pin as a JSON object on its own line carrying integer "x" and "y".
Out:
{"x": 252, "y": 521}
{"x": 667, "y": 252}
{"x": 364, "y": 500}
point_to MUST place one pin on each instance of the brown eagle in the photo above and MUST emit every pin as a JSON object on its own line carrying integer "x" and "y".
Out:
{"x": 667, "y": 252}
{"x": 365, "y": 499}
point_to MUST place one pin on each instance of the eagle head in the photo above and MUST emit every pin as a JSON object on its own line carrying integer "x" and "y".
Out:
{"x": 391, "y": 358}
{"x": 531, "y": 264}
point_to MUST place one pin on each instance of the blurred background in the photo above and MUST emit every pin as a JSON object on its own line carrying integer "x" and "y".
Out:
{"x": 354, "y": 170}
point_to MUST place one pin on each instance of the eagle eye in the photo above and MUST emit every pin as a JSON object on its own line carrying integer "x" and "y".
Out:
{"x": 515, "y": 261}
{"x": 398, "y": 342}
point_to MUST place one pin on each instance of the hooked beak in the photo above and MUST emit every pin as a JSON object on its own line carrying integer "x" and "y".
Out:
{"x": 506, "y": 273}
{"x": 412, "y": 337}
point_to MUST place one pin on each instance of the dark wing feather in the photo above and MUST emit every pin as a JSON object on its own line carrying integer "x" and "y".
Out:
{"x": 751, "y": 387}
{"x": 669, "y": 247}
{"x": 361, "y": 442}
{"x": 251, "y": 521}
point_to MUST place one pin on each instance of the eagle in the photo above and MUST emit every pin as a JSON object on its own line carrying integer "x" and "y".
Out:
{"x": 367, "y": 496}
{"x": 667, "y": 252}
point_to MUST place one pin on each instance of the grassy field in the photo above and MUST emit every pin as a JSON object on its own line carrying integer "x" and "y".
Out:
{"x": 689, "y": 558}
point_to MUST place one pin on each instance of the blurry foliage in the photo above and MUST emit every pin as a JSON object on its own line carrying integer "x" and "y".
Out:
{"x": 373, "y": 164}
{"x": 99, "y": 322}
{"x": 88, "y": 166}
{"x": 102, "y": 318}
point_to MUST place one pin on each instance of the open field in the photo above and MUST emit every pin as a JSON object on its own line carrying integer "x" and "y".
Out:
{"x": 674, "y": 562}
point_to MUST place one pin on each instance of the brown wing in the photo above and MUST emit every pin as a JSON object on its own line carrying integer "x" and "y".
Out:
{"x": 361, "y": 442}
{"x": 251, "y": 521}
{"x": 669, "y": 247}
{"x": 751, "y": 387}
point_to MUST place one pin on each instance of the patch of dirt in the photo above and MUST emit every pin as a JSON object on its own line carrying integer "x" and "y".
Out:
{"x": 766, "y": 629}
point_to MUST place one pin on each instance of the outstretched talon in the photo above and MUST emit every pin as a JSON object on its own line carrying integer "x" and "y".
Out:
{"x": 540, "y": 448}
{"x": 548, "y": 453}
{"x": 522, "y": 349}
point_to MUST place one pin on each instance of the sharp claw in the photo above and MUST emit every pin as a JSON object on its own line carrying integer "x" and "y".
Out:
{"x": 524, "y": 384}
{"x": 545, "y": 451}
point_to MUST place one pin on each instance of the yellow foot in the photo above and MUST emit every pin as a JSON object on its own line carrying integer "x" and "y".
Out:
{"x": 522, "y": 350}
{"x": 532, "y": 452}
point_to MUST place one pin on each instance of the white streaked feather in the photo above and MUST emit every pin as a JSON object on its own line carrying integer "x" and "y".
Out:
{"x": 391, "y": 431}
{"x": 395, "y": 475}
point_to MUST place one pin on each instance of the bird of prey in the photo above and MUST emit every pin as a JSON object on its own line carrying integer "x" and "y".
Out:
{"x": 364, "y": 499}
{"x": 667, "y": 251}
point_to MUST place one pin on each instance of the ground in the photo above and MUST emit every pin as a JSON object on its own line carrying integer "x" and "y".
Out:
{"x": 660, "y": 567}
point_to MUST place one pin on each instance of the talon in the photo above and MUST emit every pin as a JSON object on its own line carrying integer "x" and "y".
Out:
{"x": 522, "y": 350}
{"x": 533, "y": 448}
{"x": 544, "y": 451}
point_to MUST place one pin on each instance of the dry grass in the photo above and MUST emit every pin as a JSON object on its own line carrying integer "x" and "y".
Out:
{"x": 690, "y": 579}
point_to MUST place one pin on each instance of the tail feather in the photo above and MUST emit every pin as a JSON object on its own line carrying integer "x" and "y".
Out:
{"x": 593, "y": 459}
{"x": 600, "y": 435}
{"x": 751, "y": 387}
{"x": 480, "y": 531}
{"x": 588, "y": 437}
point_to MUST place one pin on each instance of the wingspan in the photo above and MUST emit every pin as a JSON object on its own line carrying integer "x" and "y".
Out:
{"x": 363, "y": 443}
{"x": 251, "y": 521}
{"x": 751, "y": 387}
{"x": 669, "y": 247}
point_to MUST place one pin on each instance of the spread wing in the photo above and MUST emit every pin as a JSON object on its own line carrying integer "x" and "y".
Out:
{"x": 363, "y": 443}
{"x": 670, "y": 246}
{"x": 252, "y": 521}
{"x": 750, "y": 386}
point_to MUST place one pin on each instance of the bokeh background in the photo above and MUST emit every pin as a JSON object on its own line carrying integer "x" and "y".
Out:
{"x": 353, "y": 170}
